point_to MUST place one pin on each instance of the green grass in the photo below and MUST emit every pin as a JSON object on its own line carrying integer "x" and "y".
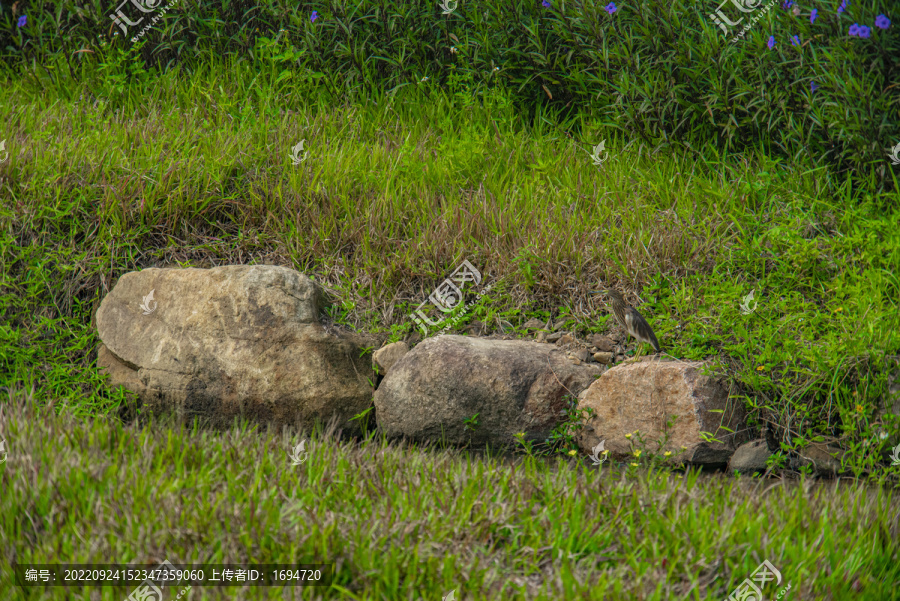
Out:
{"x": 658, "y": 70}
{"x": 401, "y": 522}
{"x": 396, "y": 192}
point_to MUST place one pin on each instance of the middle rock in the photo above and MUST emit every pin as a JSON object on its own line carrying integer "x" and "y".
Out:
{"x": 514, "y": 386}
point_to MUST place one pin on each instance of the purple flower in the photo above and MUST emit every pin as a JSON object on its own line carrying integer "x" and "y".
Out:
{"x": 854, "y": 30}
{"x": 771, "y": 43}
{"x": 813, "y": 15}
{"x": 787, "y": 4}
{"x": 314, "y": 16}
{"x": 795, "y": 40}
{"x": 882, "y": 22}
{"x": 546, "y": 4}
{"x": 813, "y": 86}
{"x": 611, "y": 7}
{"x": 842, "y": 7}
{"x": 864, "y": 31}
{"x": 22, "y": 21}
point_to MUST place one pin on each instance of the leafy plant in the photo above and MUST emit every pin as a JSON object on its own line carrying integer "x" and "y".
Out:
{"x": 470, "y": 423}
{"x": 363, "y": 417}
{"x": 122, "y": 69}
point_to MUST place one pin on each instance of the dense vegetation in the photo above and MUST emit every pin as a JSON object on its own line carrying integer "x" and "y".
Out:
{"x": 811, "y": 81}
{"x": 435, "y": 138}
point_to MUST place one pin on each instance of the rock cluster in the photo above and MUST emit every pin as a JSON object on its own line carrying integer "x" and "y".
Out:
{"x": 254, "y": 342}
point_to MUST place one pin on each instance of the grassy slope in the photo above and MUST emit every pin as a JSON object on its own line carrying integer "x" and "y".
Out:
{"x": 390, "y": 200}
{"x": 400, "y": 522}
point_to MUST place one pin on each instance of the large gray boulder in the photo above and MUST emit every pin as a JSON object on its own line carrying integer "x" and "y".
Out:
{"x": 240, "y": 340}
{"x": 513, "y": 385}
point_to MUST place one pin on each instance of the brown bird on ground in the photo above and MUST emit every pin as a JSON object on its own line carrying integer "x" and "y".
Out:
{"x": 633, "y": 322}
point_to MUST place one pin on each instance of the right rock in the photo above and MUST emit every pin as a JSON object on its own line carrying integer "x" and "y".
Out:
{"x": 385, "y": 357}
{"x": 643, "y": 395}
{"x": 887, "y": 410}
{"x": 603, "y": 343}
{"x": 824, "y": 457}
{"x": 750, "y": 457}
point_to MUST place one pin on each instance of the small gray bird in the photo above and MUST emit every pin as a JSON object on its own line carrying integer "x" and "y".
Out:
{"x": 633, "y": 322}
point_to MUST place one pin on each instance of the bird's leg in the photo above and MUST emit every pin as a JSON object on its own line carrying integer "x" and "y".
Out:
{"x": 638, "y": 348}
